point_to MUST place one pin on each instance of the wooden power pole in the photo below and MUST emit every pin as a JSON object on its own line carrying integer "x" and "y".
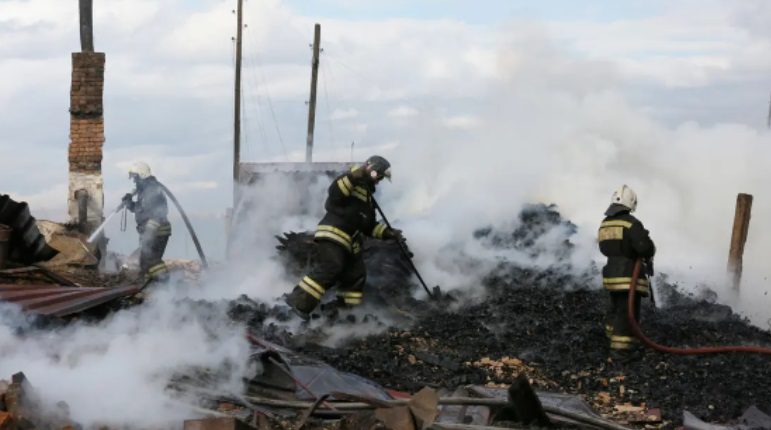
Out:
{"x": 312, "y": 100}
{"x": 237, "y": 96}
{"x": 739, "y": 238}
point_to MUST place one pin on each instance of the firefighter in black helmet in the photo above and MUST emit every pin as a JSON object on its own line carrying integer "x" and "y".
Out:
{"x": 623, "y": 239}
{"x": 350, "y": 215}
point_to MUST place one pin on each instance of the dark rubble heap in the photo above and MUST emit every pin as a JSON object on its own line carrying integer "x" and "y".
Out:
{"x": 547, "y": 324}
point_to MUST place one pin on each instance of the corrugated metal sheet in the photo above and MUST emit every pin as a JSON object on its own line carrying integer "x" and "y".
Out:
{"x": 27, "y": 244}
{"x": 59, "y": 301}
{"x": 285, "y": 372}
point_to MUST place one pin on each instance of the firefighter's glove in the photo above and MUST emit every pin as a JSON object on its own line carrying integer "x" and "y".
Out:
{"x": 128, "y": 202}
{"x": 649, "y": 267}
{"x": 393, "y": 234}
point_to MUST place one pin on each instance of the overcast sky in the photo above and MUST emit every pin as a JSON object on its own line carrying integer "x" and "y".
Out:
{"x": 490, "y": 104}
{"x": 168, "y": 90}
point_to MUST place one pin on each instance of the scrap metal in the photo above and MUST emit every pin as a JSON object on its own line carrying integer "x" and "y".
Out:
{"x": 58, "y": 301}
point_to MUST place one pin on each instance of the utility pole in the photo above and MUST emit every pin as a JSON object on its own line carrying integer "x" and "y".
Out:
{"x": 237, "y": 97}
{"x": 86, "y": 25}
{"x": 312, "y": 101}
{"x": 768, "y": 119}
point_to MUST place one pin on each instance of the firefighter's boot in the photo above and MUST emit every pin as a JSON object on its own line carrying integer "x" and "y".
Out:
{"x": 333, "y": 308}
{"x": 301, "y": 303}
{"x": 631, "y": 354}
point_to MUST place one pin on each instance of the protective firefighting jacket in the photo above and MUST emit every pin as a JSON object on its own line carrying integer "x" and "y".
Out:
{"x": 350, "y": 213}
{"x": 623, "y": 239}
{"x": 150, "y": 206}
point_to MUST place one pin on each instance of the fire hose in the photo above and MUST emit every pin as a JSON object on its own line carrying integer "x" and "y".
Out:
{"x": 188, "y": 225}
{"x": 672, "y": 350}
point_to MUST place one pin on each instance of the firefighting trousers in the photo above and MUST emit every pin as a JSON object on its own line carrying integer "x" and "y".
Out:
{"x": 617, "y": 324}
{"x": 153, "y": 243}
{"x": 335, "y": 265}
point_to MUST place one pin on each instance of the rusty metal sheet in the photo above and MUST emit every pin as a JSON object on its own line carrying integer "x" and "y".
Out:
{"x": 59, "y": 301}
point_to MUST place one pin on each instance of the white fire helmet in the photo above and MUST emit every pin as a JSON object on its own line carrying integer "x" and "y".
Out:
{"x": 140, "y": 169}
{"x": 624, "y": 196}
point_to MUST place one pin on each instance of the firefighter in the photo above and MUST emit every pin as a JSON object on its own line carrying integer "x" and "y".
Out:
{"x": 339, "y": 236}
{"x": 150, "y": 211}
{"x": 623, "y": 239}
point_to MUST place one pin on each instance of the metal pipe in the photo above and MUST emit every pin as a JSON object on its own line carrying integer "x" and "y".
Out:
{"x": 86, "y": 25}
{"x": 451, "y": 426}
{"x": 464, "y": 401}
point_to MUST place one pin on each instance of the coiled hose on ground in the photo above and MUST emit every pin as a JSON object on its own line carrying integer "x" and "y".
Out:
{"x": 672, "y": 350}
{"x": 189, "y": 226}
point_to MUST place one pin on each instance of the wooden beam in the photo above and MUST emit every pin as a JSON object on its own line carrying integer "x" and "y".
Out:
{"x": 739, "y": 238}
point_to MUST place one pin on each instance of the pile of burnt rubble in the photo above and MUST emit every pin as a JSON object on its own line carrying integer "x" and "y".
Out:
{"x": 542, "y": 322}
{"x": 546, "y": 324}
{"x": 20, "y": 408}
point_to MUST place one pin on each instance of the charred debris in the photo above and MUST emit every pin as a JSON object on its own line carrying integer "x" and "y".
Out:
{"x": 524, "y": 348}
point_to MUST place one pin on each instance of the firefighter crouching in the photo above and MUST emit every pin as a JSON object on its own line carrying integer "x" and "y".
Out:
{"x": 623, "y": 239}
{"x": 150, "y": 211}
{"x": 350, "y": 215}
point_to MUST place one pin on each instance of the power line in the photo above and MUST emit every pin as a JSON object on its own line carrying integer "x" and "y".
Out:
{"x": 275, "y": 121}
{"x": 254, "y": 96}
{"x": 326, "y": 101}
{"x": 353, "y": 70}
{"x": 262, "y": 84}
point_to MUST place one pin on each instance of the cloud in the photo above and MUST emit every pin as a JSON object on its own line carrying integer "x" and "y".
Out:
{"x": 403, "y": 112}
{"x": 344, "y": 114}
{"x": 462, "y": 122}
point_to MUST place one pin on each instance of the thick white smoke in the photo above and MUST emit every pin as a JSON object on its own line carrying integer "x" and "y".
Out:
{"x": 116, "y": 371}
{"x": 559, "y": 130}
{"x": 549, "y": 127}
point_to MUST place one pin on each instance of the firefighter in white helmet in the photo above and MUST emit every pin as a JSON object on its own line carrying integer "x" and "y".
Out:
{"x": 150, "y": 211}
{"x": 623, "y": 239}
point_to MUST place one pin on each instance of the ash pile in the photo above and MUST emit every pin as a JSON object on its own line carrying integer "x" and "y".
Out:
{"x": 543, "y": 321}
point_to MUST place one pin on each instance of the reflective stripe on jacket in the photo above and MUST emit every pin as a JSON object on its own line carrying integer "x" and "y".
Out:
{"x": 623, "y": 239}
{"x": 350, "y": 213}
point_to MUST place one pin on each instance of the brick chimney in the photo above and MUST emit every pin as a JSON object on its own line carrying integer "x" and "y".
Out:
{"x": 86, "y": 137}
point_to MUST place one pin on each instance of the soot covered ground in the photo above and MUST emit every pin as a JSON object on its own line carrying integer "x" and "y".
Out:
{"x": 547, "y": 323}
